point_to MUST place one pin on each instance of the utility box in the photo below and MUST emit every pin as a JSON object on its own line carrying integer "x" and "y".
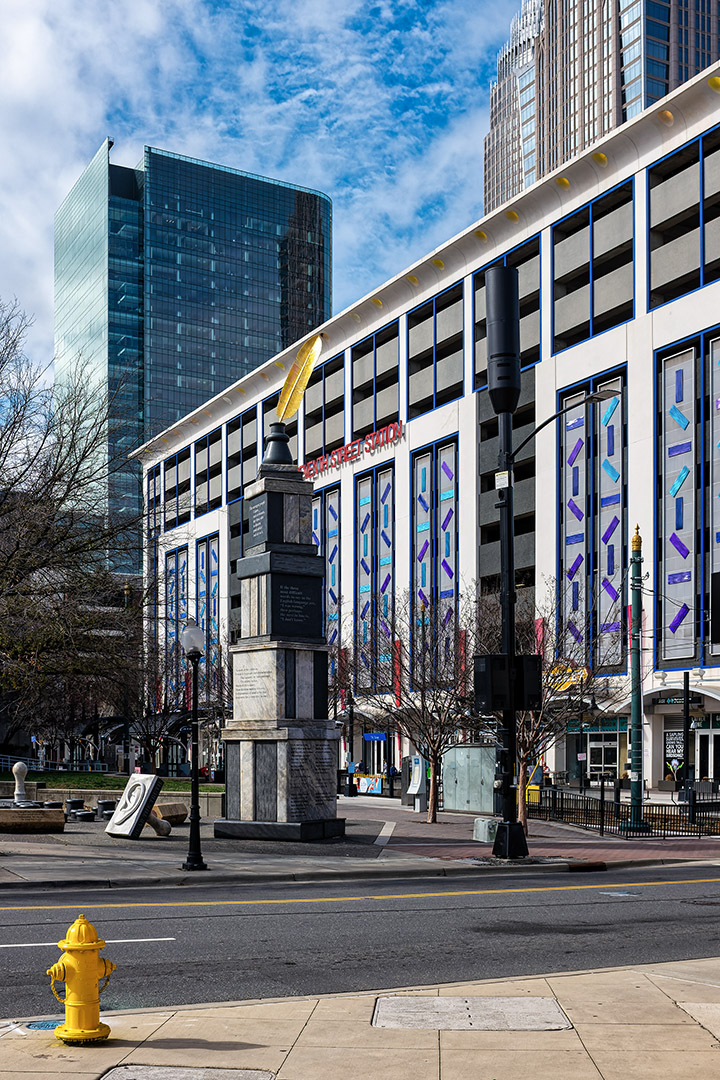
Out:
{"x": 484, "y": 830}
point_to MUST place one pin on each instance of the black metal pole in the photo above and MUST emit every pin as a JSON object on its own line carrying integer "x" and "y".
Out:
{"x": 686, "y": 728}
{"x": 507, "y": 607}
{"x": 502, "y": 311}
{"x": 194, "y": 859}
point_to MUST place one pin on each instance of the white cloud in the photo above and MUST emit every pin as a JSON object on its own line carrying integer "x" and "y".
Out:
{"x": 382, "y": 106}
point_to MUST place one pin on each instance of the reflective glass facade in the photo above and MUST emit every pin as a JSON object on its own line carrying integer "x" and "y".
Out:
{"x": 236, "y": 268}
{"x": 174, "y": 279}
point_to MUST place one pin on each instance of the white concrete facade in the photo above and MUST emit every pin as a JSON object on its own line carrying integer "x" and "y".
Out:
{"x": 630, "y": 347}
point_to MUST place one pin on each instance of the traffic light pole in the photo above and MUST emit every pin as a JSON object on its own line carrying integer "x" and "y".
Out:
{"x": 507, "y": 608}
{"x": 502, "y": 312}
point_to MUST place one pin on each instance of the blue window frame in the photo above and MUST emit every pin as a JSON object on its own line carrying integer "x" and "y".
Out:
{"x": 684, "y": 220}
{"x": 176, "y": 481}
{"x": 435, "y": 352}
{"x": 527, "y": 259}
{"x": 241, "y": 455}
{"x": 375, "y": 381}
{"x": 208, "y": 472}
{"x": 324, "y": 409}
{"x": 154, "y": 501}
{"x": 593, "y": 260}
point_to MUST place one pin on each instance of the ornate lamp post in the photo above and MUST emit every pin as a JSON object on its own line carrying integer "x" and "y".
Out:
{"x": 192, "y": 639}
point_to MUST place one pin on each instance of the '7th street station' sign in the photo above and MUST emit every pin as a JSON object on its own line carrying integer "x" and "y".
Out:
{"x": 353, "y": 450}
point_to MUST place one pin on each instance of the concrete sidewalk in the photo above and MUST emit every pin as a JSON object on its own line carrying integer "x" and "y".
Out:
{"x": 385, "y": 840}
{"x": 660, "y": 1020}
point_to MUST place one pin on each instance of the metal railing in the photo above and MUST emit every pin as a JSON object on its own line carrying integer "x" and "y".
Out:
{"x": 697, "y": 817}
{"x": 44, "y": 765}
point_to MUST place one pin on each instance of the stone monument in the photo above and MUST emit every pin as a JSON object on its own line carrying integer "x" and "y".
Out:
{"x": 281, "y": 751}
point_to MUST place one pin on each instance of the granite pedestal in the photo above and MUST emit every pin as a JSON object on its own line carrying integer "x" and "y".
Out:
{"x": 281, "y": 750}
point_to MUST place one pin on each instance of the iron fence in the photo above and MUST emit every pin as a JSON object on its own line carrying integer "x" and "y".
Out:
{"x": 697, "y": 817}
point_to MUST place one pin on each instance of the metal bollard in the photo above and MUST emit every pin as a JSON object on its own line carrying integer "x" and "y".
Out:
{"x": 80, "y": 967}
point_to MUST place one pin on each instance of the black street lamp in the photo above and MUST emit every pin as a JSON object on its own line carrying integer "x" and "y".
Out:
{"x": 192, "y": 639}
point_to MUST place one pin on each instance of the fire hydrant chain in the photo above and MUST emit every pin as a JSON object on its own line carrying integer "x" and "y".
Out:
{"x": 81, "y": 968}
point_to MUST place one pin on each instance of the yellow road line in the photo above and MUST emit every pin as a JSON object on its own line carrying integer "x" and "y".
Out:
{"x": 370, "y": 896}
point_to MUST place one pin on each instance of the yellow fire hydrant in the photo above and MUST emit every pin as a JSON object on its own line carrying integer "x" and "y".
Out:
{"x": 81, "y": 967}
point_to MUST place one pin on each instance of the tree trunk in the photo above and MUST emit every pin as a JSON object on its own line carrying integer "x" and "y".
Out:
{"x": 433, "y": 796}
{"x": 522, "y": 789}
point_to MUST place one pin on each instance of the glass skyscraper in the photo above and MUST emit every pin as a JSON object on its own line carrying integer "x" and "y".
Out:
{"x": 574, "y": 70}
{"x": 175, "y": 278}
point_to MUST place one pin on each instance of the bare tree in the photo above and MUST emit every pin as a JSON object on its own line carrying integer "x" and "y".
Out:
{"x": 424, "y": 690}
{"x": 574, "y": 678}
{"x": 63, "y": 450}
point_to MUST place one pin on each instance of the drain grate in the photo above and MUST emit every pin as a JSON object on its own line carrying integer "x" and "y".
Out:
{"x": 165, "y": 1072}
{"x": 471, "y": 1013}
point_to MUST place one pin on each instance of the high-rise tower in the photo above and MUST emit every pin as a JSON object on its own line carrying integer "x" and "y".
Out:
{"x": 177, "y": 277}
{"x": 573, "y": 70}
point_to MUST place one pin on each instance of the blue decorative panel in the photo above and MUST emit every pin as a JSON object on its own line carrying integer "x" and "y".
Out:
{"x": 677, "y": 519}
{"x": 434, "y": 524}
{"x": 574, "y": 532}
{"x": 422, "y": 535}
{"x": 385, "y": 572}
{"x": 610, "y": 527}
{"x": 593, "y": 543}
{"x": 714, "y": 509}
{"x": 364, "y": 557}
{"x": 207, "y": 580}
{"x": 375, "y": 576}
{"x": 446, "y": 526}
{"x": 333, "y": 593}
{"x": 176, "y": 614}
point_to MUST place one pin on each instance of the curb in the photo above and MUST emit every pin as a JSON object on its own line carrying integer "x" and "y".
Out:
{"x": 314, "y": 876}
{"x": 298, "y": 877}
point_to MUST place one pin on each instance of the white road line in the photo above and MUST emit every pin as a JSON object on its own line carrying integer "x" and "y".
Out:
{"x": 108, "y": 941}
{"x": 385, "y": 833}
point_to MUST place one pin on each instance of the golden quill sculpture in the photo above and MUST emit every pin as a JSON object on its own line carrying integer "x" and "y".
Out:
{"x": 297, "y": 378}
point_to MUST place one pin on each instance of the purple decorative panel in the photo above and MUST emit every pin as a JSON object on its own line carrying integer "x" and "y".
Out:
{"x": 714, "y": 508}
{"x": 677, "y": 584}
{"x": 422, "y": 532}
{"x": 610, "y": 544}
{"x": 331, "y": 538}
{"x": 574, "y": 528}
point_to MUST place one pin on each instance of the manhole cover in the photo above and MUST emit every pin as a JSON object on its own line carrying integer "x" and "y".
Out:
{"x": 164, "y": 1072}
{"x": 43, "y": 1025}
{"x": 472, "y": 1013}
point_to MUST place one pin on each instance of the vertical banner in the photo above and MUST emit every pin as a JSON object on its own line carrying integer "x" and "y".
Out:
{"x": 678, "y": 526}
{"x": 610, "y": 541}
{"x": 574, "y": 554}
{"x": 713, "y": 643}
{"x": 364, "y": 556}
{"x": 333, "y": 594}
{"x": 422, "y": 538}
{"x": 385, "y": 588}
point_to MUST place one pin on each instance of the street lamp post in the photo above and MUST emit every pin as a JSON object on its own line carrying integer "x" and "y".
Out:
{"x": 192, "y": 640}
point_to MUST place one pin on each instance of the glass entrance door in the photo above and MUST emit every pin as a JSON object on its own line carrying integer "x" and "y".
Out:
{"x": 602, "y": 755}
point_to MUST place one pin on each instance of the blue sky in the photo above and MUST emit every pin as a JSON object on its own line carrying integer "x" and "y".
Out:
{"x": 383, "y": 106}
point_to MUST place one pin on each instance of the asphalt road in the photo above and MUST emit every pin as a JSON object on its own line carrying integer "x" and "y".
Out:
{"x": 192, "y": 945}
